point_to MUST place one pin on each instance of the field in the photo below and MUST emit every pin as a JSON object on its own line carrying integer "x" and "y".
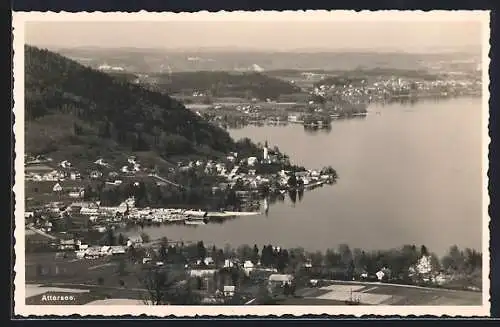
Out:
{"x": 80, "y": 271}
{"x": 386, "y": 294}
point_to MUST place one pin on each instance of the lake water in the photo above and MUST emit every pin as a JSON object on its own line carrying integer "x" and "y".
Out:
{"x": 409, "y": 175}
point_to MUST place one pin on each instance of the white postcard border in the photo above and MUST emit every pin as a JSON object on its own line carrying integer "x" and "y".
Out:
{"x": 20, "y": 18}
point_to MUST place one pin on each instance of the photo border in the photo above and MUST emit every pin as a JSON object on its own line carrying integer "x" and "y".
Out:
{"x": 20, "y": 208}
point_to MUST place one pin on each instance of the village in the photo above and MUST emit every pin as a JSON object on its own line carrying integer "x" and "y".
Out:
{"x": 71, "y": 237}
{"x": 326, "y": 99}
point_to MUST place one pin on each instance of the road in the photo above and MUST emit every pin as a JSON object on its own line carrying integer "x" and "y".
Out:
{"x": 42, "y": 233}
{"x": 166, "y": 180}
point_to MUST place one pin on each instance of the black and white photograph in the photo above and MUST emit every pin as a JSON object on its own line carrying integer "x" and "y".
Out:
{"x": 252, "y": 163}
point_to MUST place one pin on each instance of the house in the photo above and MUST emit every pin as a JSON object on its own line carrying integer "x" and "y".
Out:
{"x": 81, "y": 246}
{"x": 93, "y": 252}
{"x": 280, "y": 279}
{"x": 105, "y": 250}
{"x": 67, "y": 244}
{"x": 248, "y": 267}
{"x": 202, "y": 272}
{"x": 57, "y": 188}
{"x": 80, "y": 254}
{"x": 383, "y": 274}
{"x": 76, "y": 194}
{"x": 228, "y": 263}
{"x": 229, "y": 290}
{"x": 251, "y": 161}
{"x": 89, "y": 211}
{"x": 74, "y": 175}
{"x": 134, "y": 241}
{"x": 195, "y": 213}
{"x": 95, "y": 174}
{"x": 209, "y": 261}
{"x": 101, "y": 162}
{"x": 65, "y": 164}
{"x": 131, "y": 160}
{"x": 117, "y": 250}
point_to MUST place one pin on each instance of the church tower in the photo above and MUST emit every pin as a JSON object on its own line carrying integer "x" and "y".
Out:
{"x": 266, "y": 152}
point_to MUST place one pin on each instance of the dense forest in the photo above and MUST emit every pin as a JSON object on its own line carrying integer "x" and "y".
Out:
{"x": 70, "y": 105}
{"x": 224, "y": 84}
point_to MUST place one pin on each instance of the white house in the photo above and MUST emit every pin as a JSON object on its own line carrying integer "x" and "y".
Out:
{"x": 229, "y": 290}
{"x": 117, "y": 249}
{"x": 105, "y": 250}
{"x": 202, "y": 272}
{"x": 95, "y": 174}
{"x": 281, "y": 279}
{"x": 248, "y": 267}
{"x": 101, "y": 162}
{"x": 134, "y": 241}
{"x": 74, "y": 175}
{"x": 228, "y": 263}
{"x": 251, "y": 161}
{"x": 209, "y": 261}
{"x": 65, "y": 164}
{"x": 57, "y": 188}
{"x": 380, "y": 274}
{"x": 76, "y": 194}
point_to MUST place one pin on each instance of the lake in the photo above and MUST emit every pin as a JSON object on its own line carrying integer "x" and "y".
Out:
{"x": 408, "y": 174}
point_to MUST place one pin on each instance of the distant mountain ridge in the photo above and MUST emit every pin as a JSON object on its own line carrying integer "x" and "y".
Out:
{"x": 151, "y": 60}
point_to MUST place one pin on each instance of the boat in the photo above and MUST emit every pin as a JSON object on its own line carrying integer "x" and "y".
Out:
{"x": 195, "y": 222}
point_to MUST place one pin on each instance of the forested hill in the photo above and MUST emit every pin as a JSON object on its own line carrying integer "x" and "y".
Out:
{"x": 67, "y": 104}
{"x": 224, "y": 84}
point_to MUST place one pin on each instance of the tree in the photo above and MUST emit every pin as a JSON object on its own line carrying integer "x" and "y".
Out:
{"x": 219, "y": 258}
{"x": 454, "y": 260}
{"x": 145, "y": 238}
{"x": 122, "y": 268}
{"x": 345, "y": 254}
{"x": 333, "y": 259}
{"x": 317, "y": 259}
{"x": 255, "y": 254}
{"x": 163, "y": 249}
{"x": 292, "y": 181}
{"x": 110, "y": 237}
{"x": 263, "y": 295}
{"x": 164, "y": 287}
{"x": 39, "y": 270}
{"x": 244, "y": 252}
{"x": 286, "y": 289}
{"x": 201, "y": 252}
{"x": 424, "y": 251}
{"x": 267, "y": 256}
{"x": 121, "y": 239}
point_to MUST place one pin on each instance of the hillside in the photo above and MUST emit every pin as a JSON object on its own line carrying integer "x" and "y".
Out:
{"x": 224, "y": 84}
{"x": 73, "y": 110}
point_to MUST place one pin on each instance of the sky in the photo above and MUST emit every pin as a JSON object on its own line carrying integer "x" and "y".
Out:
{"x": 284, "y": 34}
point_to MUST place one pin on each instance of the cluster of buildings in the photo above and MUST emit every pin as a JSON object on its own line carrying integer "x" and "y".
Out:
{"x": 382, "y": 89}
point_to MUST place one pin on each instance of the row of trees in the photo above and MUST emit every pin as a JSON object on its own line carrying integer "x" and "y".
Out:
{"x": 343, "y": 260}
